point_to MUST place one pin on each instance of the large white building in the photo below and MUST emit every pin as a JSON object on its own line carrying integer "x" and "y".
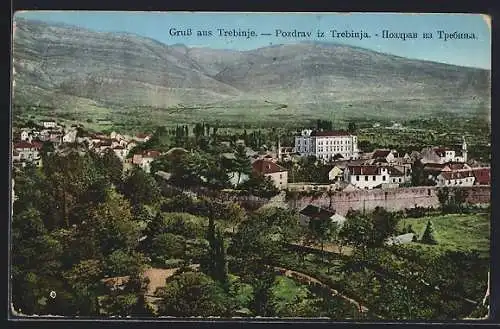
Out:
{"x": 327, "y": 145}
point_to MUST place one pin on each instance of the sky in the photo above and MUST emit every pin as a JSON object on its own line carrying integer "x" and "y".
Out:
{"x": 157, "y": 25}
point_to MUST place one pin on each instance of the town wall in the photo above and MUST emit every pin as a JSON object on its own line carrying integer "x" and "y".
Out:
{"x": 391, "y": 199}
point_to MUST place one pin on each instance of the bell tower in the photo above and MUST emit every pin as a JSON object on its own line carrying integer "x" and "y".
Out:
{"x": 464, "y": 149}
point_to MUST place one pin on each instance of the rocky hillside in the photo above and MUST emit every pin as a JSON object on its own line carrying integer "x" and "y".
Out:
{"x": 56, "y": 63}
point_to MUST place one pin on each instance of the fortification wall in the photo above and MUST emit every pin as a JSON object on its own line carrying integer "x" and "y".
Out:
{"x": 391, "y": 199}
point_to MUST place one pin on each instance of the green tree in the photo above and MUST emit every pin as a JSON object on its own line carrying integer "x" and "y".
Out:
{"x": 352, "y": 128}
{"x": 193, "y": 294}
{"x": 111, "y": 166}
{"x": 324, "y": 230}
{"x": 141, "y": 188}
{"x": 428, "y": 235}
{"x": 260, "y": 186}
{"x": 167, "y": 245}
{"x": 384, "y": 225}
{"x": 443, "y": 195}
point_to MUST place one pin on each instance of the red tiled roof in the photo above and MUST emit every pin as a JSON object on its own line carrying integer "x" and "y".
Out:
{"x": 395, "y": 172}
{"x": 151, "y": 153}
{"x": 380, "y": 154}
{"x": 266, "y": 167}
{"x": 456, "y": 174}
{"x": 483, "y": 175}
{"x": 365, "y": 170}
{"x": 26, "y": 145}
{"x": 457, "y": 165}
{"x": 330, "y": 133}
{"x": 434, "y": 166}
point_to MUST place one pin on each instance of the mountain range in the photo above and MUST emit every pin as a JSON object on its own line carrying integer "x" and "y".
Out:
{"x": 71, "y": 68}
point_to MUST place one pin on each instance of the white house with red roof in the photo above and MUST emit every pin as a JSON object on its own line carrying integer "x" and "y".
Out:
{"x": 372, "y": 176}
{"x": 456, "y": 178}
{"x": 24, "y": 152}
{"x": 327, "y": 145}
{"x": 142, "y": 137}
{"x": 144, "y": 159}
{"x": 277, "y": 173}
{"x": 444, "y": 154}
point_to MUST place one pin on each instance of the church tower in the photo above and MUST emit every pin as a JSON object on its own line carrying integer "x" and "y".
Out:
{"x": 279, "y": 149}
{"x": 464, "y": 149}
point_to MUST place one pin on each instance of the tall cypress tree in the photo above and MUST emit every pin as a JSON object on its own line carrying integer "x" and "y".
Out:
{"x": 428, "y": 236}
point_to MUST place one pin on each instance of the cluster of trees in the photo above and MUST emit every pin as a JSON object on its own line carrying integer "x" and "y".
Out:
{"x": 308, "y": 169}
{"x": 202, "y": 169}
{"x": 75, "y": 221}
{"x": 452, "y": 200}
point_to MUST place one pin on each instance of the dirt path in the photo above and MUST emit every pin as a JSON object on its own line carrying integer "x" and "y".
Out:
{"x": 158, "y": 276}
{"x": 304, "y": 278}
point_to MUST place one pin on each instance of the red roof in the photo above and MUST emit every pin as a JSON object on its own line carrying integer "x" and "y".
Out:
{"x": 381, "y": 154}
{"x": 365, "y": 170}
{"x": 483, "y": 175}
{"x": 142, "y": 135}
{"x": 266, "y": 167}
{"x": 434, "y": 166}
{"x": 456, "y": 174}
{"x": 151, "y": 154}
{"x": 26, "y": 145}
{"x": 330, "y": 133}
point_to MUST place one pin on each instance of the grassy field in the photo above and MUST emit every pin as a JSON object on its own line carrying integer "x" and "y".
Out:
{"x": 455, "y": 231}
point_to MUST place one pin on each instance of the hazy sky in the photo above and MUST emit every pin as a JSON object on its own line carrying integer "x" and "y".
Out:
{"x": 156, "y": 25}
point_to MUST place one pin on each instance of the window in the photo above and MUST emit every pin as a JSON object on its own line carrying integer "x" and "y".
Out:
{"x": 399, "y": 180}
{"x": 383, "y": 178}
{"x": 357, "y": 178}
{"x": 281, "y": 176}
{"x": 366, "y": 178}
{"x": 374, "y": 178}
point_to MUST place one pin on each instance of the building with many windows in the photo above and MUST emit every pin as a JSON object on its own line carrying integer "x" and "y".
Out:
{"x": 327, "y": 145}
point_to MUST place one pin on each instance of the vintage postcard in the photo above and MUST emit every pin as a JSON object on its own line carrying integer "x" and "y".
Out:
{"x": 250, "y": 165}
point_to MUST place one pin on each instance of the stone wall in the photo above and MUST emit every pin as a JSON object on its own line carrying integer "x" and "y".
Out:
{"x": 392, "y": 199}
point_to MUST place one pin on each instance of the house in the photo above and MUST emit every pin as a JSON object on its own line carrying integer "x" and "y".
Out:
{"x": 277, "y": 173}
{"x": 49, "y": 124}
{"x": 450, "y": 173}
{"x": 70, "y": 137}
{"x": 27, "y": 152}
{"x": 335, "y": 174}
{"x": 142, "y": 138}
{"x": 482, "y": 175}
{"x": 327, "y": 145}
{"x": 312, "y": 212}
{"x": 384, "y": 156}
{"x": 144, "y": 159}
{"x": 456, "y": 178}
{"x": 367, "y": 176}
{"x": 121, "y": 152}
{"x": 26, "y": 135}
{"x": 443, "y": 154}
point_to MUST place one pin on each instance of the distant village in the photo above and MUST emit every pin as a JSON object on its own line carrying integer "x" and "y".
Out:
{"x": 351, "y": 168}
